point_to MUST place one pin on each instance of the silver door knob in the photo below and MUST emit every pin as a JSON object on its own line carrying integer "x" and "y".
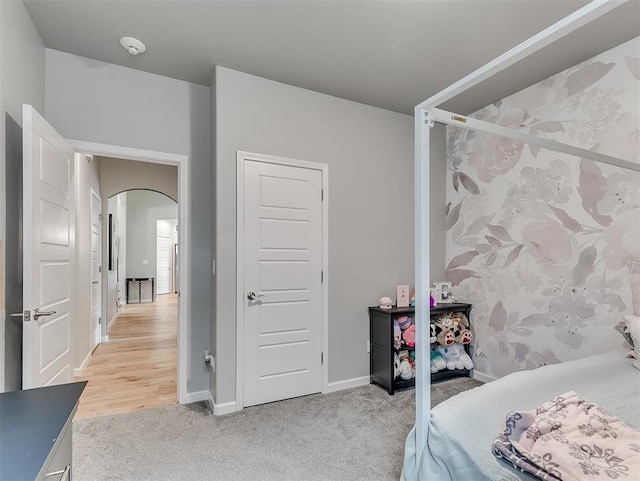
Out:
{"x": 37, "y": 314}
{"x": 252, "y": 296}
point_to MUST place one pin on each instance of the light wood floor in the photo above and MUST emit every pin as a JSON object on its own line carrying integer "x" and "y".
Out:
{"x": 136, "y": 369}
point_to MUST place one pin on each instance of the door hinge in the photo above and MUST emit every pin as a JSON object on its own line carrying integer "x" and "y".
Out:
{"x": 321, "y": 276}
{"x": 322, "y": 358}
{"x": 99, "y": 269}
{"x": 100, "y": 217}
{"x": 321, "y": 195}
{"x": 99, "y": 320}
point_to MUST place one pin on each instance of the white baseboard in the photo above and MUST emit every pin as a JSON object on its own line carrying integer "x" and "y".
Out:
{"x": 105, "y": 338}
{"x": 480, "y": 376}
{"x": 224, "y": 408}
{"x": 111, "y": 322}
{"x": 197, "y": 396}
{"x": 78, "y": 370}
{"x": 348, "y": 383}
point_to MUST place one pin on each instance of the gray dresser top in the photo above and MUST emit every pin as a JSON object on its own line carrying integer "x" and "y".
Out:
{"x": 30, "y": 423}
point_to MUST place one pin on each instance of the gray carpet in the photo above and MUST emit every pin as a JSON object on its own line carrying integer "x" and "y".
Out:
{"x": 355, "y": 434}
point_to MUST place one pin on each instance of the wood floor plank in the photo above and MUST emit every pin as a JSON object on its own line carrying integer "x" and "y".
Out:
{"x": 136, "y": 369}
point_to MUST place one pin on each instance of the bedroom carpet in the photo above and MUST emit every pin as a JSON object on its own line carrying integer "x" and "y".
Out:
{"x": 355, "y": 434}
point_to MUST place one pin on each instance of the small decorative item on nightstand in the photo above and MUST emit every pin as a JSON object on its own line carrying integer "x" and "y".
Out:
{"x": 445, "y": 295}
{"x": 403, "y": 296}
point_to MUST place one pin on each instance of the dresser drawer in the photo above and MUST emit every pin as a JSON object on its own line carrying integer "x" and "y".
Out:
{"x": 59, "y": 468}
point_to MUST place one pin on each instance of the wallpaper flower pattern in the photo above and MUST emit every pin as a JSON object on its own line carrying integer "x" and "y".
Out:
{"x": 546, "y": 246}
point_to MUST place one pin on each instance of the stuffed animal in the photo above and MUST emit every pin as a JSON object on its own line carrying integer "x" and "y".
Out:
{"x": 455, "y": 356}
{"x": 444, "y": 335}
{"x": 433, "y": 338}
{"x": 437, "y": 361}
{"x": 409, "y": 335}
{"x": 396, "y": 366}
{"x": 404, "y": 321}
{"x": 397, "y": 335}
{"x": 464, "y": 337}
{"x": 407, "y": 368}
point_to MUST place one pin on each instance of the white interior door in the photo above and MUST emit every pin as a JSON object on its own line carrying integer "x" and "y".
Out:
{"x": 282, "y": 268}
{"x": 96, "y": 276}
{"x": 49, "y": 249}
{"x": 164, "y": 256}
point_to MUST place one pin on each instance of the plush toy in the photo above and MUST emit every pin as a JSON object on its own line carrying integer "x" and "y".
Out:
{"x": 455, "y": 357}
{"x": 397, "y": 335}
{"x": 404, "y": 321}
{"x": 464, "y": 337}
{"x": 407, "y": 368}
{"x": 444, "y": 335}
{"x": 437, "y": 361}
{"x": 396, "y": 366}
{"x": 409, "y": 335}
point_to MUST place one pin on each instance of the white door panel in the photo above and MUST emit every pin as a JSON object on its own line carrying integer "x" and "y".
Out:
{"x": 49, "y": 245}
{"x": 164, "y": 246}
{"x": 282, "y": 264}
{"x": 96, "y": 277}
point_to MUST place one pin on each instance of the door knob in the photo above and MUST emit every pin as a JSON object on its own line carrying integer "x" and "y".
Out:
{"x": 37, "y": 314}
{"x": 252, "y": 296}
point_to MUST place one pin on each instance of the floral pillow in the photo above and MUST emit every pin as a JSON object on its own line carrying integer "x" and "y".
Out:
{"x": 632, "y": 329}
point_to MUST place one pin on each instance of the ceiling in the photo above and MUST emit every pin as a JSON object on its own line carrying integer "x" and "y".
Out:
{"x": 390, "y": 54}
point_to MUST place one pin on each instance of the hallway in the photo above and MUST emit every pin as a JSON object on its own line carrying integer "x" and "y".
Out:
{"x": 136, "y": 369}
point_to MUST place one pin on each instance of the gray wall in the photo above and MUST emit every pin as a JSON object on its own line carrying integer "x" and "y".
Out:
{"x": 22, "y": 67}
{"x": 144, "y": 208}
{"x": 99, "y": 102}
{"x": 370, "y": 156}
{"x": 119, "y": 175}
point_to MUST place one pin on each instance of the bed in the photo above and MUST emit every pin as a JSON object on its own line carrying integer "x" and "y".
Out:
{"x": 432, "y": 452}
{"x": 462, "y": 429}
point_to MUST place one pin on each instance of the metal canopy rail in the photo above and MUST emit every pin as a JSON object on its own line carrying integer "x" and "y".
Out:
{"x": 480, "y": 125}
{"x": 428, "y": 138}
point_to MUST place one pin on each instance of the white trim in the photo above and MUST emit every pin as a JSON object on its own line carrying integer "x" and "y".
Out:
{"x": 110, "y": 323}
{"x": 465, "y": 122}
{"x": 563, "y": 27}
{"x": 197, "y": 396}
{"x": 78, "y": 370}
{"x": 182, "y": 163}
{"x": 348, "y": 384}
{"x": 241, "y": 156}
{"x": 225, "y": 408}
{"x": 104, "y": 339}
{"x": 480, "y": 376}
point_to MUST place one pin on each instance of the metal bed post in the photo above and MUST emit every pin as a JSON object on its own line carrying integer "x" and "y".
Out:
{"x": 423, "y": 133}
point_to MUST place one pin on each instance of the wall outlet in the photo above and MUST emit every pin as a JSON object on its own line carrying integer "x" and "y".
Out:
{"x": 368, "y": 346}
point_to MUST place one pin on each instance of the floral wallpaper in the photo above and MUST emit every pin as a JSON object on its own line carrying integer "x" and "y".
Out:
{"x": 545, "y": 245}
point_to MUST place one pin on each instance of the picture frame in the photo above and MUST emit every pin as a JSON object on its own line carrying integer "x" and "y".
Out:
{"x": 444, "y": 294}
{"x": 113, "y": 244}
{"x": 402, "y": 299}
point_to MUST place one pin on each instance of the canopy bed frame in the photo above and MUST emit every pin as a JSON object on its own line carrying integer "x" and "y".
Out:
{"x": 430, "y": 142}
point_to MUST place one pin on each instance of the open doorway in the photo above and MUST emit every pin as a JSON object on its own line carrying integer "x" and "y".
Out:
{"x": 137, "y": 367}
{"x": 129, "y": 170}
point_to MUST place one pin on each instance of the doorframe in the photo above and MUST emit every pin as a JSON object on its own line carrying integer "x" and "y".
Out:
{"x": 241, "y": 158}
{"x": 184, "y": 297}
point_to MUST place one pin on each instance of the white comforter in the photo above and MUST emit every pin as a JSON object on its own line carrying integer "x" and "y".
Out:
{"x": 463, "y": 427}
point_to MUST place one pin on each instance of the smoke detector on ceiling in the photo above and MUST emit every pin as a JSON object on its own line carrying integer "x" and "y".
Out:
{"x": 133, "y": 45}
